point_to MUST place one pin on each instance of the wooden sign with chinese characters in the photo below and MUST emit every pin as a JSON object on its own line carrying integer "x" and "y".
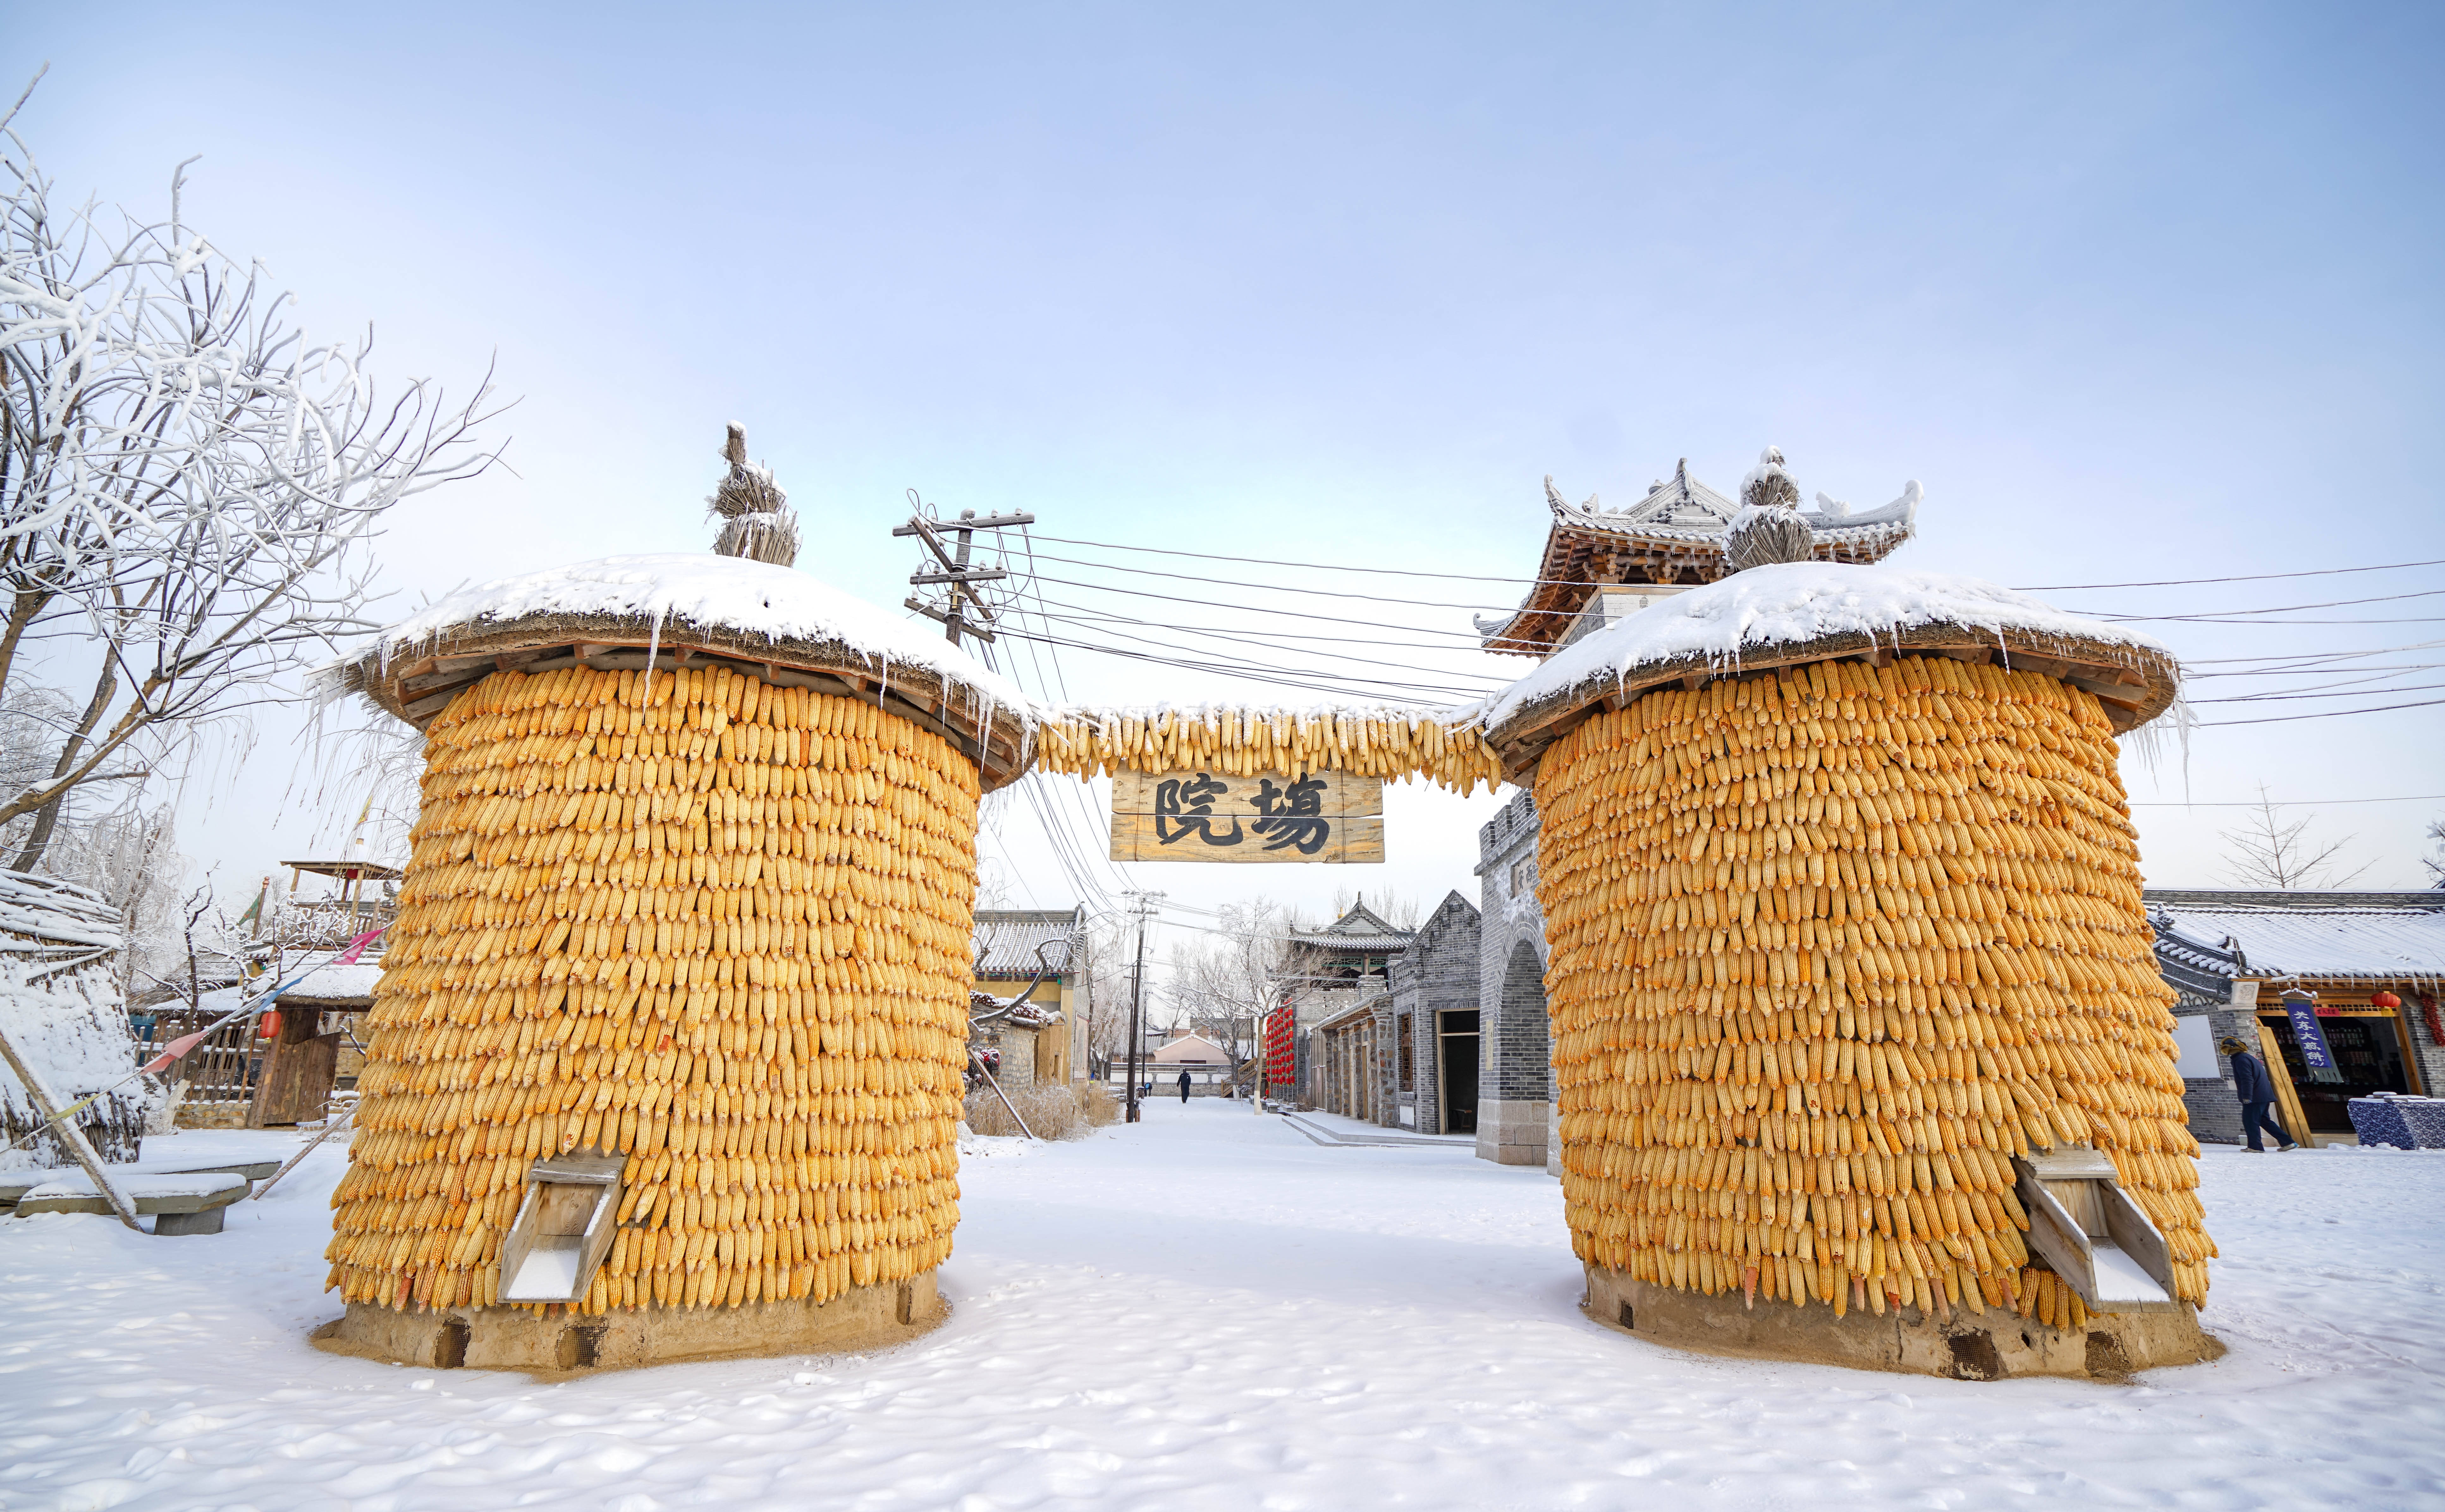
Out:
{"x": 1321, "y": 817}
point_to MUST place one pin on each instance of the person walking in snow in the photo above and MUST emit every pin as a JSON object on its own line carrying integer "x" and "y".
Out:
{"x": 2256, "y": 1090}
{"x": 1184, "y": 1089}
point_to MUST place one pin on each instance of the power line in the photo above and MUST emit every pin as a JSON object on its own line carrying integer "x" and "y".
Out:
{"x": 2246, "y": 577}
{"x": 1098, "y": 619}
{"x": 1284, "y": 587}
{"x": 1558, "y": 582}
{"x": 2331, "y": 714}
{"x": 1317, "y": 637}
{"x": 2314, "y": 671}
{"x": 1342, "y": 688}
{"x": 2284, "y": 803}
{"x": 2346, "y": 693}
{"x": 1217, "y": 604}
{"x": 2305, "y": 658}
{"x": 2210, "y": 616}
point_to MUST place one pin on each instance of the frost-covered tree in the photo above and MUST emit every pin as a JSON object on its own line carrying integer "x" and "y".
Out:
{"x": 131, "y": 857}
{"x": 1221, "y": 985}
{"x": 2435, "y": 861}
{"x": 188, "y": 482}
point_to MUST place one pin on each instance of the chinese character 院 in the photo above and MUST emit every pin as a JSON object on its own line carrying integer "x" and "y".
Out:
{"x": 1183, "y": 808}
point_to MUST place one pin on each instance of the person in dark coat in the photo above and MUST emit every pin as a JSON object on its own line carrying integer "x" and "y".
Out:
{"x": 2256, "y": 1090}
{"x": 1184, "y": 1089}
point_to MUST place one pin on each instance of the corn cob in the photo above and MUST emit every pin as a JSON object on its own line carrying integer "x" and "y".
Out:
{"x": 1385, "y": 742}
{"x": 715, "y": 924}
{"x": 1828, "y": 947}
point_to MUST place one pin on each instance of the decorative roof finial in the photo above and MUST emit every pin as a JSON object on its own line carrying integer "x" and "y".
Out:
{"x": 1768, "y": 528}
{"x": 757, "y": 520}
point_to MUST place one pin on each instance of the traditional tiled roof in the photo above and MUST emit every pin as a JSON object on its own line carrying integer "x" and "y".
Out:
{"x": 2372, "y": 937}
{"x": 1673, "y": 537}
{"x": 1361, "y": 930}
{"x": 1006, "y": 940}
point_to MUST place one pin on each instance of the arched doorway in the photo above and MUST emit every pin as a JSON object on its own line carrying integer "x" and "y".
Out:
{"x": 1516, "y": 1092}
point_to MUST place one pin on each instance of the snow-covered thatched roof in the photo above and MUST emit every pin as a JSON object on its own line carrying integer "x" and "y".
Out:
{"x": 1801, "y": 611}
{"x": 631, "y": 611}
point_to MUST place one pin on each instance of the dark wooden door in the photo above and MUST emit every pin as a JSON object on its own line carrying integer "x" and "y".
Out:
{"x": 1456, "y": 1038}
{"x": 298, "y": 1074}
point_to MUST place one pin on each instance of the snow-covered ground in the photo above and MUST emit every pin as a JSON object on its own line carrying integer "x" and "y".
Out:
{"x": 1211, "y": 1312}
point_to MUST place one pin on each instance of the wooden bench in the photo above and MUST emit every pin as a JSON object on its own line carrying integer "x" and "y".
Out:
{"x": 178, "y": 1203}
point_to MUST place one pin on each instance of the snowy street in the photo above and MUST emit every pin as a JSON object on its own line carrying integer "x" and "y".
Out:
{"x": 1211, "y": 1311}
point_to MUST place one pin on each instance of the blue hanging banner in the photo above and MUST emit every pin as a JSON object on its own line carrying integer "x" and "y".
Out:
{"x": 2308, "y": 1033}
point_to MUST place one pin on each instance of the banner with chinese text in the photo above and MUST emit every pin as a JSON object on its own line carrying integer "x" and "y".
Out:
{"x": 1319, "y": 816}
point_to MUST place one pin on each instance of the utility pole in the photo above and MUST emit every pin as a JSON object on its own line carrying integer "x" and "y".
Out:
{"x": 1137, "y": 998}
{"x": 956, "y": 571}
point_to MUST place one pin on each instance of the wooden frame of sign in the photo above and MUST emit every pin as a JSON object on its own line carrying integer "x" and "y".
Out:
{"x": 1265, "y": 816}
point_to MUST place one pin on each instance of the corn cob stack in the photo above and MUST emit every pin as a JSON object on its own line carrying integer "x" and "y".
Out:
{"x": 719, "y": 924}
{"x": 1383, "y": 742}
{"x": 1828, "y": 947}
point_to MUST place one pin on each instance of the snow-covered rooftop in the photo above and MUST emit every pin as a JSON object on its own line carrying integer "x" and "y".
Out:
{"x": 2381, "y": 943}
{"x": 1006, "y": 940}
{"x": 681, "y": 589}
{"x": 336, "y": 981}
{"x": 45, "y": 908}
{"x": 1790, "y": 604}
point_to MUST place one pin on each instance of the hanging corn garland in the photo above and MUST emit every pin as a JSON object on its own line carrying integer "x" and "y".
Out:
{"x": 1388, "y": 743}
{"x": 717, "y": 926}
{"x": 1828, "y": 949}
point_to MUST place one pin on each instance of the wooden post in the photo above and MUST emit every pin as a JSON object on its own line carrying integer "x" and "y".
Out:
{"x": 68, "y": 1134}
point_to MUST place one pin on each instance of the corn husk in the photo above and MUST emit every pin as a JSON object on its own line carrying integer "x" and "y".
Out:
{"x": 1828, "y": 949}
{"x": 719, "y": 925}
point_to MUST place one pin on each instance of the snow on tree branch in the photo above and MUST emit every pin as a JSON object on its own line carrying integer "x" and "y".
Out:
{"x": 188, "y": 480}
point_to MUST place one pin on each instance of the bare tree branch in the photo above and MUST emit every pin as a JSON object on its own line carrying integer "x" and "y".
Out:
{"x": 2269, "y": 852}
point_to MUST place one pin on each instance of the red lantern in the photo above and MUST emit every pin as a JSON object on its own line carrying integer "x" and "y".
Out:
{"x": 2385, "y": 999}
{"x": 269, "y": 1025}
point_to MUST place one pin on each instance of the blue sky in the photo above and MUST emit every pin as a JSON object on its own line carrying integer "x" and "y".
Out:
{"x": 2135, "y": 292}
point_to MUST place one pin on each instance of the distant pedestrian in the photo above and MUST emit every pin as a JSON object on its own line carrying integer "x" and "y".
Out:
{"x": 1184, "y": 1089}
{"x": 2256, "y": 1090}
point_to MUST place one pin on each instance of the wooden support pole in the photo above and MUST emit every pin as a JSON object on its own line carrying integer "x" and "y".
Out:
{"x": 68, "y": 1133}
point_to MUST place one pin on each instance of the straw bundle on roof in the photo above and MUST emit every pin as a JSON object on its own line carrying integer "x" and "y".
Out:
{"x": 1828, "y": 947}
{"x": 1390, "y": 743}
{"x": 717, "y": 925}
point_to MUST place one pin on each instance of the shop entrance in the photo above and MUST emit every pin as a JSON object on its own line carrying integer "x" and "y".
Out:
{"x": 1456, "y": 1047}
{"x": 2369, "y": 1051}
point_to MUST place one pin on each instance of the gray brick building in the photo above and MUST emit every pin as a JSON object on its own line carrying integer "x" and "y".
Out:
{"x": 2229, "y": 956}
{"x": 1434, "y": 1019}
{"x": 1407, "y": 1057}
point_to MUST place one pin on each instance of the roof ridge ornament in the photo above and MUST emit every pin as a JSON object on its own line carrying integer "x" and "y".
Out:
{"x": 1555, "y": 501}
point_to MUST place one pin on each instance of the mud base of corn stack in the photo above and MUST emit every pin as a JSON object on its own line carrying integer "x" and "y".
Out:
{"x": 547, "y": 1342}
{"x": 1990, "y": 1345}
